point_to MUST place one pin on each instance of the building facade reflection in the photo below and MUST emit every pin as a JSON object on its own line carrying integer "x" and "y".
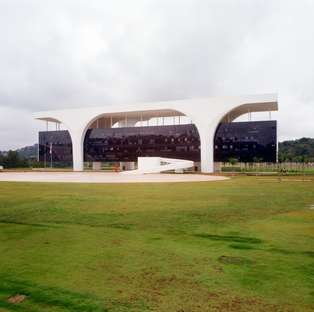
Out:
{"x": 245, "y": 141}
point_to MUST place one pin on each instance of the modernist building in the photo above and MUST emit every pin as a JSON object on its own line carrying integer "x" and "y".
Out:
{"x": 124, "y": 133}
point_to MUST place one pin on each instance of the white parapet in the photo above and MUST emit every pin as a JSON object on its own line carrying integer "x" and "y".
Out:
{"x": 159, "y": 164}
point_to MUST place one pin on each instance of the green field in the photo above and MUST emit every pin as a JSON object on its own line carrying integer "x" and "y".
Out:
{"x": 245, "y": 244}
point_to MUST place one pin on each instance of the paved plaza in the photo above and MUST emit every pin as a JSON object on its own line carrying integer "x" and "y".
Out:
{"x": 103, "y": 177}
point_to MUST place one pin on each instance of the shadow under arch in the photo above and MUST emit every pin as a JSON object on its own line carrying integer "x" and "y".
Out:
{"x": 131, "y": 119}
{"x": 229, "y": 116}
{"x": 242, "y": 109}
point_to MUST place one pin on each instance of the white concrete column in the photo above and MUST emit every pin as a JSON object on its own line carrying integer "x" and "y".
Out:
{"x": 77, "y": 150}
{"x": 207, "y": 150}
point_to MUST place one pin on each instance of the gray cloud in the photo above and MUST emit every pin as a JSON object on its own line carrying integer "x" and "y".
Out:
{"x": 62, "y": 53}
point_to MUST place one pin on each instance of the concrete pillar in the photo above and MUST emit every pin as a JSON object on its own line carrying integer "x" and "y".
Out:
{"x": 207, "y": 150}
{"x": 131, "y": 165}
{"x": 77, "y": 150}
{"x": 127, "y": 165}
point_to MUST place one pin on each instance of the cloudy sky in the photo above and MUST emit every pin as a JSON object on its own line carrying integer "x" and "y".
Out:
{"x": 73, "y": 53}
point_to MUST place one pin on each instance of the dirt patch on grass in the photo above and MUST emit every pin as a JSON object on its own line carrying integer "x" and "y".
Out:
{"x": 237, "y": 304}
{"x": 18, "y": 298}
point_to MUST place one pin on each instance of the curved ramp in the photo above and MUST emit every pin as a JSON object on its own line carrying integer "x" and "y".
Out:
{"x": 159, "y": 164}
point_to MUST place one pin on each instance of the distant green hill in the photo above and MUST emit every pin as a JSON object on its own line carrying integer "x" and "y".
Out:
{"x": 28, "y": 152}
{"x": 20, "y": 158}
{"x": 300, "y": 150}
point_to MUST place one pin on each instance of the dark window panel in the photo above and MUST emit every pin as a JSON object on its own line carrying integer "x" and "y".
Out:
{"x": 61, "y": 147}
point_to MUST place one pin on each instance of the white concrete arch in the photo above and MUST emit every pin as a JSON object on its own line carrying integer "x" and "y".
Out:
{"x": 205, "y": 113}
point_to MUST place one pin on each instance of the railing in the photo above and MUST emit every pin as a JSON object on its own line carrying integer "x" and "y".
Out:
{"x": 289, "y": 167}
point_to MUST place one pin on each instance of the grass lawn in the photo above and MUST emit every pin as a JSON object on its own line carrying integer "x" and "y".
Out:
{"x": 245, "y": 244}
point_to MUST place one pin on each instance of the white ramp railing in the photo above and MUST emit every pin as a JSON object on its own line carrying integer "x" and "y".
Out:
{"x": 159, "y": 164}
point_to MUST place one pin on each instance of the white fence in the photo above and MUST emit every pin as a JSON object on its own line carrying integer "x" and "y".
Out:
{"x": 264, "y": 166}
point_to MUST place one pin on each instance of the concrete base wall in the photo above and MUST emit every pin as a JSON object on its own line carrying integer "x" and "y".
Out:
{"x": 96, "y": 165}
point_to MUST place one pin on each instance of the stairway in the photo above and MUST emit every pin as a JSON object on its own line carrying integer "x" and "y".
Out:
{"x": 159, "y": 164}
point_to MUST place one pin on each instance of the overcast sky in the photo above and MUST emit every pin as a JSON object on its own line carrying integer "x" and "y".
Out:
{"x": 74, "y": 53}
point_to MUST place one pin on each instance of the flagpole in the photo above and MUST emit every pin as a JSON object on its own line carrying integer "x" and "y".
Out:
{"x": 50, "y": 151}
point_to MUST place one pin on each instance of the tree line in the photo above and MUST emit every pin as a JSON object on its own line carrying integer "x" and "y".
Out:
{"x": 301, "y": 150}
{"x": 12, "y": 159}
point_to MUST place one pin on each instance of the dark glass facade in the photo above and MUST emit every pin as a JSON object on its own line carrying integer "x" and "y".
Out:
{"x": 126, "y": 144}
{"x": 55, "y": 146}
{"x": 246, "y": 141}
